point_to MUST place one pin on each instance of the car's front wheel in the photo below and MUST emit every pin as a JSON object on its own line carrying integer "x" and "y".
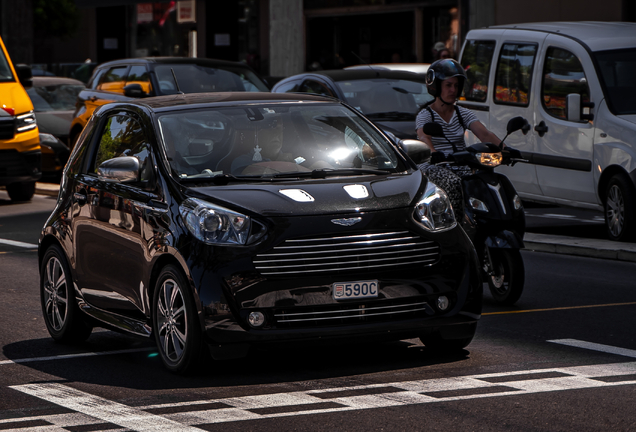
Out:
{"x": 62, "y": 316}
{"x": 176, "y": 330}
{"x": 21, "y": 191}
{"x": 620, "y": 209}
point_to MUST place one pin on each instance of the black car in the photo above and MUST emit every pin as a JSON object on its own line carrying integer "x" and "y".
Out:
{"x": 231, "y": 219}
{"x": 390, "y": 98}
{"x": 132, "y": 78}
{"x": 54, "y": 103}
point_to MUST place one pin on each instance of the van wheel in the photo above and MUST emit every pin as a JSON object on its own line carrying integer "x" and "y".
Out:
{"x": 21, "y": 191}
{"x": 619, "y": 209}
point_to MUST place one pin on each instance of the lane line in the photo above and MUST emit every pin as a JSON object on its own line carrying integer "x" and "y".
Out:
{"x": 559, "y": 308}
{"x": 78, "y": 355}
{"x": 306, "y": 402}
{"x": 104, "y": 409}
{"x": 17, "y": 243}
{"x": 596, "y": 347}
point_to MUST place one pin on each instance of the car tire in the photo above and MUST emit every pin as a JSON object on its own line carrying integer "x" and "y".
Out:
{"x": 62, "y": 316}
{"x": 506, "y": 285}
{"x": 21, "y": 191}
{"x": 619, "y": 209}
{"x": 175, "y": 326}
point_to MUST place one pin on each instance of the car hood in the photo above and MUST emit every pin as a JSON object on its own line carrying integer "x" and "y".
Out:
{"x": 56, "y": 123}
{"x": 330, "y": 196}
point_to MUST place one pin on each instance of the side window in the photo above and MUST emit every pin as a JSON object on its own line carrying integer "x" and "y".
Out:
{"x": 113, "y": 80}
{"x": 476, "y": 60}
{"x": 288, "y": 87}
{"x": 139, "y": 75}
{"x": 123, "y": 136}
{"x": 310, "y": 86}
{"x": 514, "y": 74}
{"x": 562, "y": 75}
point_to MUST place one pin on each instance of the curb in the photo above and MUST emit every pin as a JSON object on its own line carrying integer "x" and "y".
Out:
{"x": 593, "y": 248}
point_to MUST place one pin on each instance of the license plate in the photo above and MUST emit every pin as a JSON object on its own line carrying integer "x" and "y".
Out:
{"x": 355, "y": 290}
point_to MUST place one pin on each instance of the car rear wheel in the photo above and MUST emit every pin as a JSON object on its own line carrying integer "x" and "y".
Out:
{"x": 619, "y": 209}
{"x": 176, "y": 330}
{"x": 21, "y": 191}
{"x": 62, "y": 316}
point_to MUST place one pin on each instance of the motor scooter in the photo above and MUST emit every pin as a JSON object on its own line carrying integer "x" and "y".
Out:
{"x": 493, "y": 215}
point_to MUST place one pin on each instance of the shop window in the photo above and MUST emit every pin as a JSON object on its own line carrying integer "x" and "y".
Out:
{"x": 562, "y": 75}
{"x": 514, "y": 74}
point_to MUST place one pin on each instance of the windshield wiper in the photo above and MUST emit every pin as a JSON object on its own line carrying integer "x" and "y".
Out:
{"x": 220, "y": 179}
{"x": 324, "y": 172}
{"x": 392, "y": 115}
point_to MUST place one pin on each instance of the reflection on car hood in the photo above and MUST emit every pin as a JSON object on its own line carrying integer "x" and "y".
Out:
{"x": 329, "y": 195}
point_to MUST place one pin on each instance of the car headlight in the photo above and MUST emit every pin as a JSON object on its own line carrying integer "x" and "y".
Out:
{"x": 434, "y": 211}
{"x": 216, "y": 225}
{"x": 489, "y": 159}
{"x": 25, "y": 122}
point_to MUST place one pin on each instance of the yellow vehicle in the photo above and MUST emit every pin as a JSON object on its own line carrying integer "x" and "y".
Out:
{"x": 20, "y": 153}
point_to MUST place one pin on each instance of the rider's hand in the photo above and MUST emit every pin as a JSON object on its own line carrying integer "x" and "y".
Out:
{"x": 513, "y": 153}
{"x": 437, "y": 157}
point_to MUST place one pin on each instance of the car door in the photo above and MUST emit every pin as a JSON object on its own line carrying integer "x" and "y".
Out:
{"x": 564, "y": 147}
{"x": 513, "y": 94}
{"x": 113, "y": 233}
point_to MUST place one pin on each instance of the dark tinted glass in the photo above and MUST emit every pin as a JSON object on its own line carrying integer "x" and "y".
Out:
{"x": 618, "y": 73}
{"x": 121, "y": 136}
{"x": 476, "y": 60}
{"x": 514, "y": 74}
{"x": 562, "y": 75}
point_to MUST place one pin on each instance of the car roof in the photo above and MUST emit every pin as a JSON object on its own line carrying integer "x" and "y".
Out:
{"x": 368, "y": 73}
{"x": 597, "y": 35}
{"x": 174, "y": 60}
{"x": 409, "y": 67}
{"x": 162, "y": 103}
{"x": 45, "y": 81}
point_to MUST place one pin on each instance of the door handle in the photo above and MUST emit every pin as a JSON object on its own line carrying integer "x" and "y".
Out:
{"x": 541, "y": 128}
{"x": 80, "y": 198}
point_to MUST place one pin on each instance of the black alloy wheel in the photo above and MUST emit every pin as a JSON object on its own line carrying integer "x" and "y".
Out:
{"x": 62, "y": 316}
{"x": 506, "y": 284}
{"x": 619, "y": 209}
{"x": 19, "y": 192}
{"x": 176, "y": 330}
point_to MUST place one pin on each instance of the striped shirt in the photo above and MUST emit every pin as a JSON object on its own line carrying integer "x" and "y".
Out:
{"x": 452, "y": 130}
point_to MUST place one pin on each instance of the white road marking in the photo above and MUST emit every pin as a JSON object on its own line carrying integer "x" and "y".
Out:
{"x": 103, "y": 409}
{"x": 516, "y": 383}
{"x": 17, "y": 243}
{"x": 596, "y": 347}
{"x": 71, "y": 356}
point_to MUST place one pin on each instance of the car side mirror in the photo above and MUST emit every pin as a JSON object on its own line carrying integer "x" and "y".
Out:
{"x": 433, "y": 129}
{"x": 25, "y": 75}
{"x": 417, "y": 150}
{"x": 134, "y": 91}
{"x": 124, "y": 169}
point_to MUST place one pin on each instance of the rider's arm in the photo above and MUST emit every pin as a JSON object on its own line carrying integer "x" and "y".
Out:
{"x": 425, "y": 138}
{"x": 482, "y": 133}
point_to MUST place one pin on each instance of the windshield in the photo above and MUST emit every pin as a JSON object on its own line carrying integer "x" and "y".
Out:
{"x": 381, "y": 95}
{"x": 59, "y": 97}
{"x": 618, "y": 70}
{"x": 273, "y": 140}
{"x": 194, "y": 78}
{"x": 5, "y": 69}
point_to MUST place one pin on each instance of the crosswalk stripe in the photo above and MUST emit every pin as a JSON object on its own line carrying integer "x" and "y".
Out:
{"x": 595, "y": 347}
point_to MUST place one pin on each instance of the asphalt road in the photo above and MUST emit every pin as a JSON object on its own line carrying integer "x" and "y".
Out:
{"x": 563, "y": 358}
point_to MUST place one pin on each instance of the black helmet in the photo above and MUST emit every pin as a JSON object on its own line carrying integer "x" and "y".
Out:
{"x": 442, "y": 70}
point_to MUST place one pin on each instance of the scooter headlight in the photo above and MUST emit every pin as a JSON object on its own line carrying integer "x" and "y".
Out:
{"x": 434, "y": 211}
{"x": 489, "y": 159}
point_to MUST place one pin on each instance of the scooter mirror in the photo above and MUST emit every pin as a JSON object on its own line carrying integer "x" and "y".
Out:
{"x": 515, "y": 124}
{"x": 433, "y": 129}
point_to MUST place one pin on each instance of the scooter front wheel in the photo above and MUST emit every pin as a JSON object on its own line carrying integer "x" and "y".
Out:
{"x": 508, "y": 278}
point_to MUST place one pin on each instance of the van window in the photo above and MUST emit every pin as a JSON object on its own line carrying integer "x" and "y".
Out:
{"x": 5, "y": 70}
{"x": 476, "y": 60}
{"x": 562, "y": 75}
{"x": 514, "y": 74}
{"x": 618, "y": 69}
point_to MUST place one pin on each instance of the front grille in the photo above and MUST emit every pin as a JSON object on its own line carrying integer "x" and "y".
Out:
{"x": 371, "y": 311}
{"x": 13, "y": 164}
{"x": 341, "y": 254}
{"x": 7, "y": 127}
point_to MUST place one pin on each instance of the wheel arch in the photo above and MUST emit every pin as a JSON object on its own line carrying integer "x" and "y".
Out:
{"x": 46, "y": 242}
{"x": 607, "y": 175}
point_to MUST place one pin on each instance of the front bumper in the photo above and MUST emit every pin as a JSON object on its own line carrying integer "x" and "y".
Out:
{"x": 20, "y": 167}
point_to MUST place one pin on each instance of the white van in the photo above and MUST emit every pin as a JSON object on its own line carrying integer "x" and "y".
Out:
{"x": 575, "y": 83}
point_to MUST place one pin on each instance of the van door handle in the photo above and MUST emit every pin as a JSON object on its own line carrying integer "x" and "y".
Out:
{"x": 541, "y": 128}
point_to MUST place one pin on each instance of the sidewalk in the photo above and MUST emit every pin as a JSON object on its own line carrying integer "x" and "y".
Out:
{"x": 593, "y": 248}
